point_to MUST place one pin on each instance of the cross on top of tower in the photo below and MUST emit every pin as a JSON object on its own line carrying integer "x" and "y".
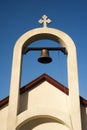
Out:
{"x": 44, "y": 21}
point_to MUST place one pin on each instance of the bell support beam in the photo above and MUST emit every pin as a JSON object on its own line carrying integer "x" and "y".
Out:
{"x": 62, "y": 49}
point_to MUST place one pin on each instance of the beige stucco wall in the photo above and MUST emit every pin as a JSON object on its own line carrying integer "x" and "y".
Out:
{"x": 44, "y": 104}
{"x": 45, "y": 101}
{"x": 43, "y": 107}
{"x": 47, "y": 96}
{"x": 3, "y": 117}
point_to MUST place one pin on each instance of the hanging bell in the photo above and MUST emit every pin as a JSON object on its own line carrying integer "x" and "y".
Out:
{"x": 44, "y": 58}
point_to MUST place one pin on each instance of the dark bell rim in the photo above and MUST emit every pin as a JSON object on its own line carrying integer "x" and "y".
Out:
{"x": 45, "y": 60}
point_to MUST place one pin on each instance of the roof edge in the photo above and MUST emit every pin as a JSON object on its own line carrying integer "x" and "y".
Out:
{"x": 40, "y": 79}
{"x": 4, "y": 101}
{"x": 83, "y": 101}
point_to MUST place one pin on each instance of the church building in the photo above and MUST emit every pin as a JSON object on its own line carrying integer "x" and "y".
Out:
{"x": 44, "y": 103}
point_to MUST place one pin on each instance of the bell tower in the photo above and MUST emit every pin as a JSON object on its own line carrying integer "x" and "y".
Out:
{"x": 73, "y": 97}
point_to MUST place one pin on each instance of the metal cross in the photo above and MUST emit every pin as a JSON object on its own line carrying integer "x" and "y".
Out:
{"x": 44, "y": 21}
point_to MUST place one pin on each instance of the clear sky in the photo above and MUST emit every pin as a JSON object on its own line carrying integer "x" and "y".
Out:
{"x": 20, "y": 16}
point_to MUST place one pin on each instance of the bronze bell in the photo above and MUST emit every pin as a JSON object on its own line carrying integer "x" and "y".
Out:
{"x": 44, "y": 58}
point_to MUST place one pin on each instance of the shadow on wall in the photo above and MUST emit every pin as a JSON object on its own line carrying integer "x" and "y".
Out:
{"x": 84, "y": 117}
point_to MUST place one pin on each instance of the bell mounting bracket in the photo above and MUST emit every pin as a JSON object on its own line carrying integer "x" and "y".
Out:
{"x": 62, "y": 49}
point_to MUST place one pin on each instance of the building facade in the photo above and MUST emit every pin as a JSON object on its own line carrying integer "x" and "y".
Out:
{"x": 44, "y": 103}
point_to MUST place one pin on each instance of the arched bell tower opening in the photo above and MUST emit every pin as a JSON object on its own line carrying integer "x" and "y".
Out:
{"x": 24, "y": 41}
{"x": 32, "y": 68}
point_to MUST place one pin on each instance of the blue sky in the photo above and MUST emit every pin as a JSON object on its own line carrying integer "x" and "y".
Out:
{"x": 20, "y": 16}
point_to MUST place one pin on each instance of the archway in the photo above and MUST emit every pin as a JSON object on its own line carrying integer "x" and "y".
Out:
{"x": 43, "y": 122}
{"x": 21, "y": 44}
